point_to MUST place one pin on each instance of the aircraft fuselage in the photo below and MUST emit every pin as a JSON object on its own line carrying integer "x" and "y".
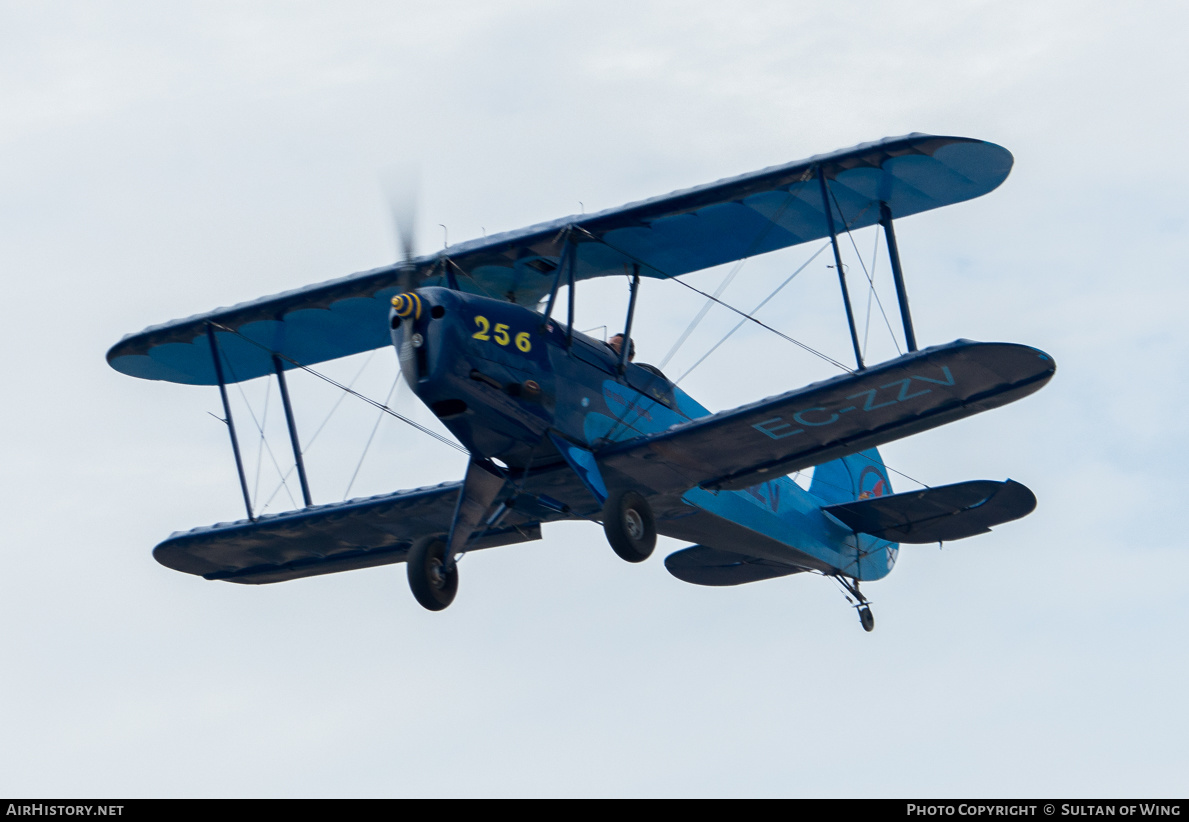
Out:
{"x": 502, "y": 378}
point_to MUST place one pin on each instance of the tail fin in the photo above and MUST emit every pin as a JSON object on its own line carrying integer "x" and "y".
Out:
{"x": 859, "y": 476}
{"x": 854, "y": 477}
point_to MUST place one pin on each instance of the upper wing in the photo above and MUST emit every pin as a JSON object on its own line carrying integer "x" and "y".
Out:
{"x": 827, "y": 420}
{"x": 667, "y": 236}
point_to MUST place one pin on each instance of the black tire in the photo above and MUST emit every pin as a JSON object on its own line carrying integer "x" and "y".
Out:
{"x": 867, "y": 619}
{"x": 433, "y": 588}
{"x": 629, "y": 526}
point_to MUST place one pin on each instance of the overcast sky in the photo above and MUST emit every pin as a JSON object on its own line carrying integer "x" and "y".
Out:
{"x": 162, "y": 159}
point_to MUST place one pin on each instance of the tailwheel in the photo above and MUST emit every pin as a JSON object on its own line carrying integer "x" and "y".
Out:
{"x": 866, "y": 618}
{"x": 434, "y": 582}
{"x": 629, "y": 526}
{"x": 860, "y": 602}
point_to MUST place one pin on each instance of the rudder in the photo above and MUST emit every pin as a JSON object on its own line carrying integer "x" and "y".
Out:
{"x": 860, "y": 476}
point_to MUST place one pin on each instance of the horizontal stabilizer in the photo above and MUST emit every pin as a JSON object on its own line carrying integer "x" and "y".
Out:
{"x": 938, "y": 514}
{"x": 709, "y": 566}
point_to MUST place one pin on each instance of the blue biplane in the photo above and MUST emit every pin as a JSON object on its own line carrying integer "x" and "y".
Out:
{"x": 561, "y": 426}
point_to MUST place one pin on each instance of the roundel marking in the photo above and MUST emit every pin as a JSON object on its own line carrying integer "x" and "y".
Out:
{"x": 872, "y": 483}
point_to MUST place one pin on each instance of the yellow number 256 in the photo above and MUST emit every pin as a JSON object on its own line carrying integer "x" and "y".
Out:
{"x": 501, "y": 335}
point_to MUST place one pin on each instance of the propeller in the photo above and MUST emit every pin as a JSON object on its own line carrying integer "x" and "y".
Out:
{"x": 400, "y": 185}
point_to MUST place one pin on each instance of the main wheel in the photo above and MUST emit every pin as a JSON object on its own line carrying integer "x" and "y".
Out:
{"x": 432, "y": 585}
{"x": 629, "y": 526}
{"x": 867, "y": 619}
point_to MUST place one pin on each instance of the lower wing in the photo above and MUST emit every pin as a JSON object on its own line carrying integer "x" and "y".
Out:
{"x": 746, "y": 446}
{"x": 324, "y": 539}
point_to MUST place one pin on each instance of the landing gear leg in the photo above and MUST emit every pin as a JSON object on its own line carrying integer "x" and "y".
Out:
{"x": 432, "y": 560}
{"x": 861, "y": 603}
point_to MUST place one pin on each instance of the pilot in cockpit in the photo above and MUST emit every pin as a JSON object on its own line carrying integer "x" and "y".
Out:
{"x": 616, "y": 345}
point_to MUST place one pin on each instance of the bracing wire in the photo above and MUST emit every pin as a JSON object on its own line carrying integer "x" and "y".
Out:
{"x": 346, "y": 389}
{"x": 870, "y": 292}
{"x": 260, "y": 428}
{"x": 886, "y": 467}
{"x": 260, "y": 448}
{"x": 870, "y": 281}
{"x": 906, "y": 476}
{"x": 715, "y": 299}
{"x": 689, "y": 329}
{"x": 763, "y": 302}
{"x": 762, "y": 324}
{"x": 755, "y": 244}
{"x": 726, "y": 305}
{"x": 351, "y": 391}
{"x": 372, "y": 436}
{"x": 310, "y": 442}
{"x": 339, "y": 401}
{"x": 384, "y": 408}
{"x": 446, "y": 261}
